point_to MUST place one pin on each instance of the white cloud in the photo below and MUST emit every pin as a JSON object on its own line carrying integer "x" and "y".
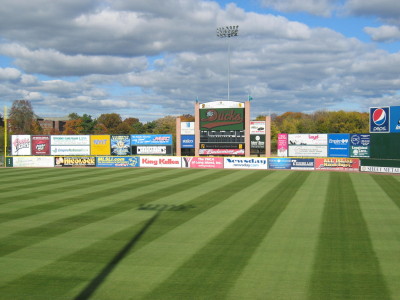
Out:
{"x": 383, "y": 33}
{"x": 315, "y": 7}
{"x": 55, "y": 63}
{"x": 9, "y": 74}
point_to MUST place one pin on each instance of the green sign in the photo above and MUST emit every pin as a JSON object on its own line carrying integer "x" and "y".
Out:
{"x": 359, "y": 151}
{"x": 257, "y": 141}
{"x": 9, "y": 161}
{"x": 222, "y": 119}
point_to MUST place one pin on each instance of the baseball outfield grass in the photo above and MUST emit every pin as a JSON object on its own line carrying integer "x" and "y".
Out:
{"x": 113, "y": 233}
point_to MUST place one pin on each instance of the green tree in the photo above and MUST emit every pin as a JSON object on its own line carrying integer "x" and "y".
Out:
{"x": 22, "y": 119}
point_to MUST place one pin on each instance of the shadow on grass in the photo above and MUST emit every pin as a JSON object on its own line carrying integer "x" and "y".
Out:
{"x": 98, "y": 280}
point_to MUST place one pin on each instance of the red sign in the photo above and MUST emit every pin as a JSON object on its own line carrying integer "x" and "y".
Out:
{"x": 203, "y": 162}
{"x": 340, "y": 164}
{"x": 40, "y": 145}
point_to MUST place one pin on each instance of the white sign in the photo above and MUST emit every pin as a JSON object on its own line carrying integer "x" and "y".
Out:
{"x": 70, "y": 140}
{"x": 187, "y": 128}
{"x": 257, "y": 127}
{"x": 21, "y": 145}
{"x": 70, "y": 150}
{"x": 307, "y": 139}
{"x": 245, "y": 163}
{"x": 380, "y": 169}
{"x": 160, "y": 161}
{"x": 222, "y": 104}
{"x": 151, "y": 150}
{"x": 308, "y": 151}
{"x": 33, "y": 161}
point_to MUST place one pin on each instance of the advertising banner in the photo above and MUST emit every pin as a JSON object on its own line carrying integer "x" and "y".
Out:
{"x": 152, "y": 150}
{"x": 21, "y": 145}
{"x": 222, "y": 146}
{"x": 308, "y": 151}
{"x": 117, "y": 161}
{"x": 338, "y": 145}
{"x": 245, "y": 163}
{"x": 187, "y": 128}
{"x": 339, "y": 164}
{"x": 203, "y": 162}
{"x": 395, "y": 119}
{"x": 360, "y": 145}
{"x": 33, "y": 161}
{"x": 70, "y": 161}
{"x": 60, "y": 140}
{"x": 120, "y": 145}
{"x": 380, "y": 169}
{"x": 302, "y": 164}
{"x": 221, "y": 151}
{"x": 257, "y": 127}
{"x": 151, "y": 139}
{"x": 222, "y": 119}
{"x": 282, "y": 144}
{"x": 70, "y": 150}
{"x": 308, "y": 139}
{"x": 379, "y": 119}
{"x": 40, "y": 145}
{"x": 160, "y": 162}
{"x": 257, "y": 141}
{"x": 100, "y": 145}
{"x": 187, "y": 141}
{"x": 279, "y": 163}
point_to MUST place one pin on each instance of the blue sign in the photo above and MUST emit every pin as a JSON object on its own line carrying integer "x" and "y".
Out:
{"x": 395, "y": 119}
{"x": 117, "y": 161}
{"x": 279, "y": 163}
{"x": 379, "y": 119}
{"x": 120, "y": 145}
{"x": 151, "y": 139}
{"x": 187, "y": 141}
{"x": 338, "y": 145}
{"x": 302, "y": 164}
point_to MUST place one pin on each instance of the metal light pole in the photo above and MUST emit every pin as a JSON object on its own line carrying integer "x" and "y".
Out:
{"x": 228, "y": 32}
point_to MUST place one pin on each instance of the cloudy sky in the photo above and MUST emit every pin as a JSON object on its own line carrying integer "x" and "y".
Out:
{"x": 151, "y": 58}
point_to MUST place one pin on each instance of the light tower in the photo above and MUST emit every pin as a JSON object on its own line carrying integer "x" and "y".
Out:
{"x": 228, "y": 32}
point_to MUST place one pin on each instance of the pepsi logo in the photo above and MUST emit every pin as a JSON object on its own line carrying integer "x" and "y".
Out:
{"x": 379, "y": 116}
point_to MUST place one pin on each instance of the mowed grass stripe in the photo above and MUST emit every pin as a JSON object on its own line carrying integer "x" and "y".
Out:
{"x": 35, "y": 190}
{"x": 37, "y": 234}
{"x": 390, "y": 186}
{"x": 382, "y": 216}
{"x": 86, "y": 263}
{"x": 345, "y": 265}
{"x": 281, "y": 266}
{"x": 71, "y": 193}
{"x": 109, "y": 193}
{"x": 152, "y": 264}
{"x": 17, "y": 180}
{"x": 212, "y": 271}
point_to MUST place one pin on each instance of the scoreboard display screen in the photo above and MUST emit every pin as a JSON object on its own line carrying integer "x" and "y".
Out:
{"x": 222, "y": 136}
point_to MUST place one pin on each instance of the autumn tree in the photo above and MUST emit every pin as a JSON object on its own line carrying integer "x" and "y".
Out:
{"x": 87, "y": 122}
{"x": 22, "y": 119}
{"x": 73, "y": 127}
{"x": 108, "y": 123}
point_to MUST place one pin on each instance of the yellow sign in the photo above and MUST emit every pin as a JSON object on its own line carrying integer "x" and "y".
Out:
{"x": 100, "y": 145}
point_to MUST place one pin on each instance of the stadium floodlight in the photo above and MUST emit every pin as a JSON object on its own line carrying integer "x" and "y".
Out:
{"x": 228, "y": 32}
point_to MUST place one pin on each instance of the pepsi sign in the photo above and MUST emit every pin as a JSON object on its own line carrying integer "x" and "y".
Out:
{"x": 379, "y": 119}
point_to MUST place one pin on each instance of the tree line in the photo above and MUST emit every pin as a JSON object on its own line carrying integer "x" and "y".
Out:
{"x": 23, "y": 120}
